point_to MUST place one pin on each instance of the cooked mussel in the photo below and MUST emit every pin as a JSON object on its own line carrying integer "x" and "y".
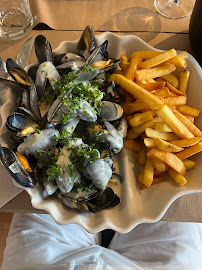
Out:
{"x": 43, "y": 140}
{"x": 110, "y": 111}
{"x": 14, "y": 167}
{"x": 87, "y": 41}
{"x": 43, "y": 49}
{"x": 18, "y": 122}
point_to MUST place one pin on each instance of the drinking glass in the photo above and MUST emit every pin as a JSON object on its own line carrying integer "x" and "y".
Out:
{"x": 174, "y": 9}
{"x": 16, "y": 19}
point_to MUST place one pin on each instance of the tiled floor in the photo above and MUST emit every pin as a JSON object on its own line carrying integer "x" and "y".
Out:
{"x": 5, "y": 220}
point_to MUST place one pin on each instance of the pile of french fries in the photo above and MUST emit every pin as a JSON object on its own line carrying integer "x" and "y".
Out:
{"x": 161, "y": 125}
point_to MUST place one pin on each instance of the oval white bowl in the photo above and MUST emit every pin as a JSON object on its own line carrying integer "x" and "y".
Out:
{"x": 136, "y": 206}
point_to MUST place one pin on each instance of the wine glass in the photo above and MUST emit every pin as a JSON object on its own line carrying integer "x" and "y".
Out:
{"x": 174, "y": 9}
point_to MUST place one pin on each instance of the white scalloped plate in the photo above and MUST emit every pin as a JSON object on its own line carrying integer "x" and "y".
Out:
{"x": 136, "y": 206}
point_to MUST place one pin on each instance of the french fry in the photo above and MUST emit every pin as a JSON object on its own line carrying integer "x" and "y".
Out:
{"x": 173, "y": 122}
{"x": 151, "y": 133}
{"x": 135, "y": 107}
{"x": 149, "y": 143}
{"x": 191, "y": 127}
{"x": 142, "y": 127}
{"x": 190, "y": 151}
{"x": 172, "y": 107}
{"x": 151, "y": 85}
{"x": 190, "y": 118}
{"x": 132, "y": 68}
{"x": 166, "y": 146}
{"x": 189, "y": 164}
{"x": 174, "y": 90}
{"x": 123, "y": 57}
{"x": 131, "y": 135}
{"x": 169, "y": 158}
{"x": 180, "y": 100}
{"x": 159, "y": 59}
{"x": 159, "y": 164}
{"x": 171, "y": 94}
{"x": 187, "y": 142}
{"x": 179, "y": 179}
{"x": 142, "y": 156}
{"x": 155, "y": 180}
{"x": 141, "y": 118}
{"x": 183, "y": 55}
{"x": 148, "y": 173}
{"x": 136, "y": 90}
{"x": 151, "y": 73}
{"x": 145, "y": 54}
{"x": 178, "y": 61}
{"x": 161, "y": 93}
{"x": 188, "y": 110}
{"x": 170, "y": 78}
{"x": 158, "y": 120}
{"x": 184, "y": 79}
{"x": 162, "y": 127}
{"x": 132, "y": 145}
{"x": 124, "y": 65}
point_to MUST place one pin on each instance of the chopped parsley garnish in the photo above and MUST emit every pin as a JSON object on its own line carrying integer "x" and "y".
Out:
{"x": 53, "y": 171}
{"x": 71, "y": 171}
{"x": 64, "y": 134}
{"x": 65, "y": 118}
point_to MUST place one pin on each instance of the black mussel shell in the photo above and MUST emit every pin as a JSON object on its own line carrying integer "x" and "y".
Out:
{"x": 18, "y": 122}
{"x": 43, "y": 49}
{"x": 14, "y": 167}
{"x": 87, "y": 40}
{"x": 18, "y": 73}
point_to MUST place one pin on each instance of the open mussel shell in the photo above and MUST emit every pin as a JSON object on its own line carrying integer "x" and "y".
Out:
{"x": 44, "y": 140}
{"x": 14, "y": 167}
{"x": 105, "y": 199}
{"x": 50, "y": 187}
{"x": 75, "y": 64}
{"x": 15, "y": 85}
{"x": 81, "y": 196}
{"x": 34, "y": 102}
{"x": 32, "y": 72}
{"x": 86, "y": 76}
{"x": 25, "y": 100}
{"x": 98, "y": 54}
{"x": 110, "y": 111}
{"x": 114, "y": 203}
{"x": 43, "y": 49}
{"x": 71, "y": 203}
{"x": 18, "y": 122}
{"x": 18, "y": 73}
{"x": 87, "y": 40}
{"x": 58, "y": 58}
{"x": 69, "y": 57}
{"x": 27, "y": 113}
{"x": 99, "y": 171}
{"x": 104, "y": 66}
